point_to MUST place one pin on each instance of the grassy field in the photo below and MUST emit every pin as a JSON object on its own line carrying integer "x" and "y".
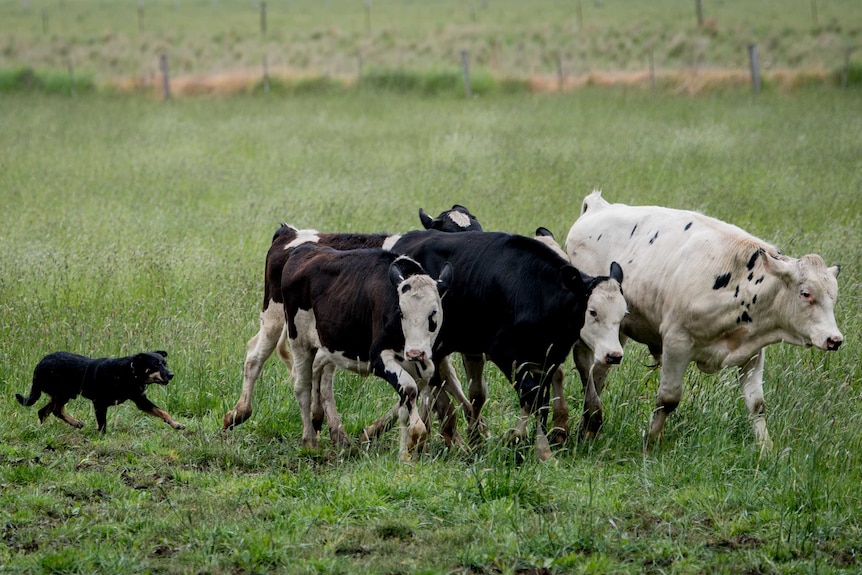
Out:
{"x": 129, "y": 224}
{"x": 114, "y": 40}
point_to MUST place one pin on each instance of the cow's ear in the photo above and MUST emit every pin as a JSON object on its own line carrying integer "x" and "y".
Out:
{"x": 543, "y": 231}
{"x": 445, "y": 279}
{"x": 395, "y": 275}
{"x": 784, "y": 269}
{"x": 834, "y": 270}
{"x": 572, "y": 279}
{"x": 616, "y": 272}
{"x": 427, "y": 221}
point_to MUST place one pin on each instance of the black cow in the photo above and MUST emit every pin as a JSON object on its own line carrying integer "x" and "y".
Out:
{"x": 369, "y": 311}
{"x": 270, "y": 335}
{"x": 514, "y": 301}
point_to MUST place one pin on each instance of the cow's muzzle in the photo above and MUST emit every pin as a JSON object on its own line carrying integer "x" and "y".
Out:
{"x": 416, "y": 355}
{"x": 833, "y": 343}
{"x": 613, "y": 358}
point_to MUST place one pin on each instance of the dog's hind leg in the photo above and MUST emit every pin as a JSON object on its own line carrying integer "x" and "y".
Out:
{"x": 46, "y": 411}
{"x": 259, "y": 348}
{"x": 101, "y": 416}
{"x": 60, "y": 411}
{"x": 147, "y": 406}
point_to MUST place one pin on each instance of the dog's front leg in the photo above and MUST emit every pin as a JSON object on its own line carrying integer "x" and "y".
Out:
{"x": 147, "y": 406}
{"x": 101, "y": 410}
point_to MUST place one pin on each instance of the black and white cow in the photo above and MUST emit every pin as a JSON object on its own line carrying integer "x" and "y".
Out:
{"x": 513, "y": 301}
{"x": 269, "y": 337}
{"x": 368, "y": 311}
{"x": 704, "y": 291}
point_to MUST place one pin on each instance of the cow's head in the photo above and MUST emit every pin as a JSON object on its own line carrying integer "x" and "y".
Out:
{"x": 606, "y": 309}
{"x": 809, "y": 295}
{"x": 419, "y": 303}
{"x": 458, "y": 219}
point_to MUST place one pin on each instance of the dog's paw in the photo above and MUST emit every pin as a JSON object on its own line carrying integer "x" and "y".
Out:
{"x": 178, "y": 426}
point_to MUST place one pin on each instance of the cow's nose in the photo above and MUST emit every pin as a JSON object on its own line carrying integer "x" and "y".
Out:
{"x": 833, "y": 343}
{"x": 613, "y": 358}
{"x": 415, "y": 355}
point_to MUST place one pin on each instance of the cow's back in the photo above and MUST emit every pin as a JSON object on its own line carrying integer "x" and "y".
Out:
{"x": 675, "y": 261}
{"x": 505, "y": 286}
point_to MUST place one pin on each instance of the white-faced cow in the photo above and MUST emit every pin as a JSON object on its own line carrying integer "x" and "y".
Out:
{"x": 513, "y": 301}
{"x": 597, "y": 348}
{"x": 704, "y": 291}
{"x": 368, "y": 311}
{"x": 269, "y": 336}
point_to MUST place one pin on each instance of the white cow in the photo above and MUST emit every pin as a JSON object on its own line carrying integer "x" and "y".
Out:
{"x": 704, "y": 291}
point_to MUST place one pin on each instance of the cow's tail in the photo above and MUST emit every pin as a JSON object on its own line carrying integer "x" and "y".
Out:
{"x": 593, "y": 201}
{"x": 35, "y": 393}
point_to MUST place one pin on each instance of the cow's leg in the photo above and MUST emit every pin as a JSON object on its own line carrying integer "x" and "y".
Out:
{"x": 751, "y": 380}
{"x": 446, "y": 415}
{"x": 673, "y": 366}
{"x": 559, "y": 431}
{"x": 322, "y": 373}
{"x": 258, "y": 350}
{"x": 413, "y": 430}
{"x": 303, "y": 361}
{"x": 477, "y": 388}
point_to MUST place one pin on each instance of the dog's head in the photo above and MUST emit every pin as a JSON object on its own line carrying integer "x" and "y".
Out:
{"x": 151, "y": 367}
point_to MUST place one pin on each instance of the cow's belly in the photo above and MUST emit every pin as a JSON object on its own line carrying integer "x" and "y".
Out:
{"x": 356, "y": 365}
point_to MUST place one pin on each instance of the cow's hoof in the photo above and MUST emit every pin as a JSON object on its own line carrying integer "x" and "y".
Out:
{"x": 558, "y": 435}
{"x": 340, "y": 438}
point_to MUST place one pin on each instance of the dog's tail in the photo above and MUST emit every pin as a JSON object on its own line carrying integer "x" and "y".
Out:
{"x": 35, "y": 393}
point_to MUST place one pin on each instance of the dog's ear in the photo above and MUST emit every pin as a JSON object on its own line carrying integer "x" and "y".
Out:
{"x": 161, "y": 352}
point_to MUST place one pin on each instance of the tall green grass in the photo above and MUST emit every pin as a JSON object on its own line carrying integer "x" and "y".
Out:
{"x": 130, "y": 224}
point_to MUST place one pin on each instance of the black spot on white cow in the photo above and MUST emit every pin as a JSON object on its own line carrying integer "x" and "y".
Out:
{"x": 368, "y": 311}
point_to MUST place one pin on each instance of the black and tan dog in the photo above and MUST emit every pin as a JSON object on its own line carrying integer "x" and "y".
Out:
{"x": 104, "y": 381}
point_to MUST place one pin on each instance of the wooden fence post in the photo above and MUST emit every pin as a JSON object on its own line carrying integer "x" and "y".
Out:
{"x": 359, "y": 71}
{"x": 166, "y": 82}
{"x": 560, "y": 75}
{"x": 755, "y": 68}
{"x": 814, "y": 12}
{"x": 141, "y": 26}
{"x": 465, "y": 63}
{"x": 263, "y": 18}
{"x": 368, "y": 16}
{"x": 698, "y": 7}
{"x": 71, "y": 78}
{"x": 580, "y": 13}
{"x": 845, "y": 71}
{"x": 44, "y": 22}
{"x": 651, "y": 69}
{"x": 265, "y": 76}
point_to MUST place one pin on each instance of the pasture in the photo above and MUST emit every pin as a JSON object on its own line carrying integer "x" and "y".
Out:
{"x": 130, "y": 225}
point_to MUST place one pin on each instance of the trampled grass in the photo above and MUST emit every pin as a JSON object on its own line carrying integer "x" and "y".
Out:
{"x": 130, "y": 224}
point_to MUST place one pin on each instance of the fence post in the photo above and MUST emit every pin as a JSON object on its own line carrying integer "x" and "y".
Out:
{"x": 651, "y": 69}
{"x": 560, "y": 75}
{"x": 368, "y": 16}
{"x": 359, "y": 71}
{"x": 141, "y": 26}
{"x": 166, "y": 82}
{"x": 465, "y": 62}
{"x": 755, "y": 68}
{"x": 845, "y": 71}
{"x": 580, "y": 12}
{"x": 44, "y": 22}
{"x": 265, "y": 76}
{"x": 814, "y": 12}
{"x": 263, "y": 18}
{"x": 698, "y": 6}
{"x": 71, "y": 78}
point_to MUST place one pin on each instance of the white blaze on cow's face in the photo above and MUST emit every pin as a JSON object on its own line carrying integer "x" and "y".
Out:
{"x": 809, "y": 310}
{"x": 606, "y": 309}
{"x": 421, "y": 315}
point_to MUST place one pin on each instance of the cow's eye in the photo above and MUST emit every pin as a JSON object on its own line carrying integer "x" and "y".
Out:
{"x": 594, "y": 314}
{"x": 806, "y": 295}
